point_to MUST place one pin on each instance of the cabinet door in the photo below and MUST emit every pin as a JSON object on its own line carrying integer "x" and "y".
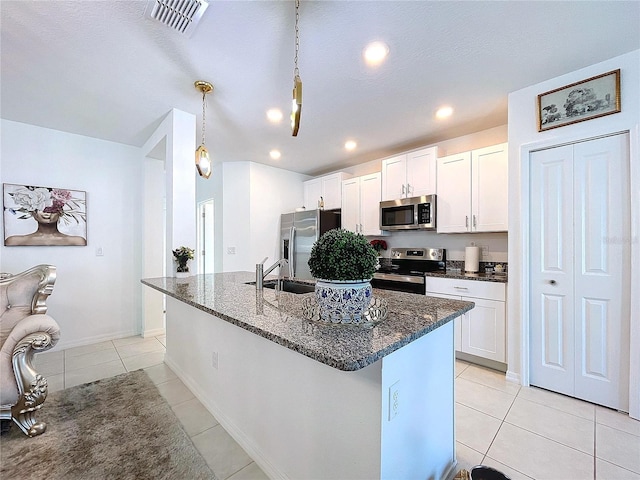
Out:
{"x": 484, "y": 328}
{"x": 394, "y": 178}
{"x": 351, "y": 204}
{"x": 312, "y": 193}
{"x": 332, "y": 191}
{"x": 457, "y": 325}
{"x": 421, "y": 172}
{"x": 370, "y": 186}
{"x": 454, "y": 193}
{"x": 489, "y": 182}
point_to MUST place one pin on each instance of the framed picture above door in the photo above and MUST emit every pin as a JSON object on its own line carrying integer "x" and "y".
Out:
{"x": 591, "y": 98}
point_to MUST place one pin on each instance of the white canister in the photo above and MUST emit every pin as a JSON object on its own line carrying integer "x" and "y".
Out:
{"x": 472, "y": 259}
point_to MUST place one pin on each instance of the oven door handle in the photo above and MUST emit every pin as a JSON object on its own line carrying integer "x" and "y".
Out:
{"x": 399, "y": 278}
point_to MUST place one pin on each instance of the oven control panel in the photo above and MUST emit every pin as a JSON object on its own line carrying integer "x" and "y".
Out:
{"x": 426, "y": 254}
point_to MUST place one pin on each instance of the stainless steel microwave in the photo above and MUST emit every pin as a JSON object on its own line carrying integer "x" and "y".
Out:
{"x": 415, "y": 213}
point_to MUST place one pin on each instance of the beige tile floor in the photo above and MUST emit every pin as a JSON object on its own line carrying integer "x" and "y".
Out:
{"x": 527, "y": 433}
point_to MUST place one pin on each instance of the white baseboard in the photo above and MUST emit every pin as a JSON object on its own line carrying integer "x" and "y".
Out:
{"x": 63, "y": 345}
{"x": 153, "y": 332}
{"x": 513, "y": 377}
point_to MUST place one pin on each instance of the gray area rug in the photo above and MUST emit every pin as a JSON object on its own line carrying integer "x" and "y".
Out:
{"x": 117, "y": 428}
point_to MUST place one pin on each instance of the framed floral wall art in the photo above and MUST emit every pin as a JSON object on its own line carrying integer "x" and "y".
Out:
{"x": 594, "y": 97}
{"x": 44, "y": 216}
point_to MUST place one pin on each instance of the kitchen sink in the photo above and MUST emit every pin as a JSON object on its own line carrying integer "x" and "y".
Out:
{"x": 288, "y": 286}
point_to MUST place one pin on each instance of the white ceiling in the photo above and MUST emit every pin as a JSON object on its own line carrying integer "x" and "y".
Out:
{"x": 101, "y": 69}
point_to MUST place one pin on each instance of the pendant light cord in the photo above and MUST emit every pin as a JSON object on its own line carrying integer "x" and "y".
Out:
{"x": 296, "y": 72}
{"x": 204, "y": 94}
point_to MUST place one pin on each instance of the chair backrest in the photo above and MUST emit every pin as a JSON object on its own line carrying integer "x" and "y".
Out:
{"x": 24, "y": 294}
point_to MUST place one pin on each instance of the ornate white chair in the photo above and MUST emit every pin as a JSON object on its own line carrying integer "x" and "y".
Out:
{"x": 25, "y": 329}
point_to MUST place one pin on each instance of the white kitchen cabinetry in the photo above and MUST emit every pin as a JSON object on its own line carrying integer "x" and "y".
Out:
{"x": 361, "y": 204}
{"x": 409, "y": 175}
{"x": 326, "y": 189}
{"x": 482, "y": 330}
{"x": 472, "y": 191}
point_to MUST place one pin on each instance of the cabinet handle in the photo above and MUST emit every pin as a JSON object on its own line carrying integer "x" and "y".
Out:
{"x": 552, "y": 282}
{"x": 403, "y": 188}
{"x": 408, "y": 188}
{"x": 461, "y": 288}
{"x": 361, "y": 229}
{"x": 466, "y": 221}
{"x": 474, "y": 221}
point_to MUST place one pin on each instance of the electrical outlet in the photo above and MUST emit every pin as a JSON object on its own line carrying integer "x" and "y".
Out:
{"x": 231, "y": 250}
{"x": 99, "y": 252}
{"x": 485, "y": 251}
{"x": 214, "y": 360}
{"x": 394, "y": 400}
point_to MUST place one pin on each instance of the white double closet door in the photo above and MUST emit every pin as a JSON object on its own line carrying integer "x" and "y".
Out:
{"x": 580, "y": 270}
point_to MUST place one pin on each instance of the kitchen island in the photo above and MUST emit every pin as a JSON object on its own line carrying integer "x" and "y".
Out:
{"x": 308, "y": 400}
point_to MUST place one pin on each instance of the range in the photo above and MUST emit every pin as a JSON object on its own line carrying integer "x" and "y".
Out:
{"x": 405, "y": 272}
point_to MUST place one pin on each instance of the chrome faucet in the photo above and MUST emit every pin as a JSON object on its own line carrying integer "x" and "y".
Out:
{"x": 261, "y": 273}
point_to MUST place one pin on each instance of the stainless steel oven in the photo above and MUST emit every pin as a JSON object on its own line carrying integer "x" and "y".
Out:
{"x": 415, "y": 213}
{"x": 406, "y": 268}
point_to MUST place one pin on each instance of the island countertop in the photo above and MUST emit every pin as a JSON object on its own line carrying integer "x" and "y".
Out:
{"x": 277, "y": 316}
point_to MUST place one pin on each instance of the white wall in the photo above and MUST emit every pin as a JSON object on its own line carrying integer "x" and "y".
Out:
{"x": 524, "y": 137}
{"x": 95, "y": 298}
{"x": 253, "y": 198}
{"x": 274, "y": 191}
{"x": 484, "y": 138}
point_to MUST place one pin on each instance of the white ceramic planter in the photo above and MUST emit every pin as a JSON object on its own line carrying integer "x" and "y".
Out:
{"x": 343, "y": 301}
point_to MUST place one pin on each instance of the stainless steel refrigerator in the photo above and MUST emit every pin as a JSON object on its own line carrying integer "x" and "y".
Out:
{"x": 298, "y": 233}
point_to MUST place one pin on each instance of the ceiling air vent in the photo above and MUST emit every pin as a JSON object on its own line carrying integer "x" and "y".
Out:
{"x": 180, "y": 15}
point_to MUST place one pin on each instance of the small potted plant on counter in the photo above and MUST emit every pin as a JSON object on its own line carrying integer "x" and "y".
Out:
{"x": 378, "y": 246}
{"x": 182, "y": 256}
{"x": 343, "y": 264}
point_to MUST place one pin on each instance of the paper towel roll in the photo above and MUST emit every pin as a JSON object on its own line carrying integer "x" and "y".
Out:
{"x": 472, "y": 259}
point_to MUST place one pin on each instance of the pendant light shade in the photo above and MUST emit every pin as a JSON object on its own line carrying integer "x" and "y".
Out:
{"x": 203, "y": 161}
{"x": 296, "y": 105}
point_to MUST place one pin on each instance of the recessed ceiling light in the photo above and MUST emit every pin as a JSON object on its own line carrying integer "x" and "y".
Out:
{"x": 375, "y": 53}
{"x": 444, "y": 112}
{"x": 350, "y": 145}
{"x": 275, "y": 154}
{"x": 274, "y": 115}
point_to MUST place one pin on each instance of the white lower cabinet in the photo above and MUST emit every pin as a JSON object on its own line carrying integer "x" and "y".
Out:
{"x": 482, "y": 330}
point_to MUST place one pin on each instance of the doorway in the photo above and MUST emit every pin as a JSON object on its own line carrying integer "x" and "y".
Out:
{"x": 579, "y": 270}
{"x": 205, "y": 242}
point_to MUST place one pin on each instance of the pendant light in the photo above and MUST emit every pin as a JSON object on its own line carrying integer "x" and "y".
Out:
{"x": 296, "y": 102}
{"x": 203, "y": 162}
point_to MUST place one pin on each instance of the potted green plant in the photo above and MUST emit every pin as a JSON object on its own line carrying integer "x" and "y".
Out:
{"x": 343, "y": 264}
{"x": 182, "y": 256}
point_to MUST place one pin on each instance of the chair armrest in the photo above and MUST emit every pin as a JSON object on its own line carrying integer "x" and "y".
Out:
{"x": 33, "y": 324}
{"x": 34, "y": 333}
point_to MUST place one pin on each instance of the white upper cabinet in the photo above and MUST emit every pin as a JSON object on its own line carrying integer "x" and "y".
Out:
{"x": 473, "y": 191}
{"x": 361, "y": 204}
{"x": 325, "y": 191}
{"x": 409, "y": 175}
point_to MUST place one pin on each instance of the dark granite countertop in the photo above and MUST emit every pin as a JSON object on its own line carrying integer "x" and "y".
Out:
{"x": 459, "y": 275}
{"x": 277, "y": 316}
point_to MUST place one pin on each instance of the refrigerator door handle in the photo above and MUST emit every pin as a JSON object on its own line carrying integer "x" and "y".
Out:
{"x": 292, "y": 252}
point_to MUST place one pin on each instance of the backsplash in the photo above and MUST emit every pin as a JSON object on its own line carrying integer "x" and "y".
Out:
{"x": 453, "y": 265}
{"x": 483, "y": 267}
